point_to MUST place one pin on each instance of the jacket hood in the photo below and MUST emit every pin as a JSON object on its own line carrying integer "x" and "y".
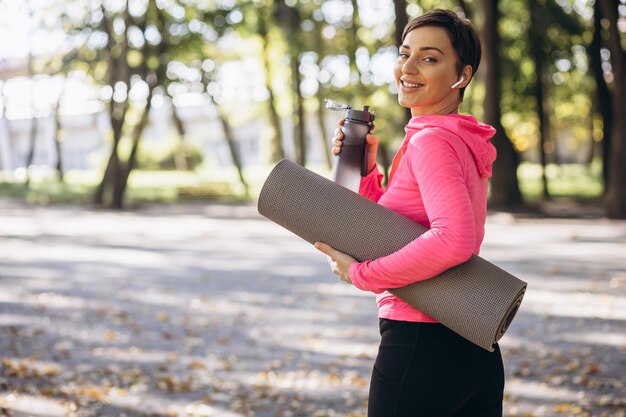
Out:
{"x": 476, "y": 135}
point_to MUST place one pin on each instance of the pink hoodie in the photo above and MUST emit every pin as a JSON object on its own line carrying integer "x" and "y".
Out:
{"x": 441, "y": 183}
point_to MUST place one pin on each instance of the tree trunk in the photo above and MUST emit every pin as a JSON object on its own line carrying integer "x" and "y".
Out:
{"x": 353, "y": 43}
{"x": 505, "y": 192}
{"x": 112, "y": 169}
{"x": 469, "y": 102}
{"x": 4, "y": 128}
{"x": 276, "y": 141}
{"x": 402, "y": 19}
{"x": 119, "y": 186}
{"x": 299, "y": 134}
{"x": 228, "y": 134}
{"x": 58, "y": 138}
{"x": 232, "y": 147}
{"x": 58, "y": 130}
{"x": 319, "y": 95}
{"x": 288, "y": 18}
{"x": 30, "y": 154}
{"x": 616, "y": 191}
{"x": 602, "y": 99}
{"x": 324, "y": 141}
{"x": 118, "y": 70}
{"x": 180, "y": 158}
{"x": 536, "y": 44}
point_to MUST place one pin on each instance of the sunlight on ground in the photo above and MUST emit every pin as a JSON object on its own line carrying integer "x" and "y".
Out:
{"x": 578, "y": 304}
{"x": 35, "y": 406}
{"x": 212, "y": 311}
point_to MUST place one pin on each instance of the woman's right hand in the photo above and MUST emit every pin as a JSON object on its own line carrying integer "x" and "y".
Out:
{"x": 372, "y": 145}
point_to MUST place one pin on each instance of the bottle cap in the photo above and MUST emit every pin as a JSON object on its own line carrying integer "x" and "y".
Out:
{"x": 362, "y": 116}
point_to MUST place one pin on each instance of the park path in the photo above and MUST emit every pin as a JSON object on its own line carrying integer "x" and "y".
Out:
{"x": 213, "y": 311}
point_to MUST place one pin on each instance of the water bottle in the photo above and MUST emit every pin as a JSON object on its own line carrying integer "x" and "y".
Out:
{"x": 351, "y": 162}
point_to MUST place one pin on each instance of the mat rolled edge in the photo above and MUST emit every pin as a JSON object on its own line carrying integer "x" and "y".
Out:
{"x": 476, "y": 299}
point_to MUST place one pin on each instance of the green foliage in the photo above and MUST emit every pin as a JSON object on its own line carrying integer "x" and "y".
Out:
{"x": 187, "y": 47}
{"x": 564, "y": 36}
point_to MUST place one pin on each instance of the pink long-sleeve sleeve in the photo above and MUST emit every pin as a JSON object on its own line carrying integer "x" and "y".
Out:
{"x": 433, "y": 171}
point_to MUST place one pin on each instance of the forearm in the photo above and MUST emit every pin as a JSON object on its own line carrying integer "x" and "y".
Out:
{"x": 426, "y": 257}
{"x": 451, "y": 238}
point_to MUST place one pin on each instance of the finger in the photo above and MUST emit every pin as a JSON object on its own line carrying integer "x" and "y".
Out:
{"x": 338, "y": 133}
{"x": 324, "y": 248}
{"x": 329, "y": 250}
{"x": 371, "y": 139}
{"x": 342, "y": 121}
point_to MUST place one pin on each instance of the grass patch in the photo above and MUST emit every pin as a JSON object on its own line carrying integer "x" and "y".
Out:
{"x": 47, "y": 190}
{"x": 576, "y": 181}
{"x": 213, "y": 183}
{"x": 78, "y": 187}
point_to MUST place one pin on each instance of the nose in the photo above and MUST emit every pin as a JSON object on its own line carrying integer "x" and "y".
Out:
{"x": 409, "y": 66}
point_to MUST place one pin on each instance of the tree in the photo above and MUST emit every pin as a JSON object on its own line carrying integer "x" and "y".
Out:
{"x": 56, "y": 112}
{"x": 34, "y": 121}
{"x": 4, "y": 123}
{"x": 180, "y": 159}
{"x": 505, "y": 190}
{"x": 276, "y": 142}
{"x": 295, "y": 37}
{"x": 616, "y": 190}
{"x": 320, "y": 95}
{"x": 602, "y": 99}
{"x": 128, "y": 52}
{"x": 402, "y": 19}
{"x": 536, "y": 40}
{"x": 147, "y": 72}
{"x": 288, "y": 17}
{"x": 206, "y": 78}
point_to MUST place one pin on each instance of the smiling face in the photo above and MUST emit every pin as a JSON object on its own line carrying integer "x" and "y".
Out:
{"x": 425, "y": 70}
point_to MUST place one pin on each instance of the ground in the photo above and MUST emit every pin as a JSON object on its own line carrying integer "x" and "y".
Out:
{"x": 211, "y": 310}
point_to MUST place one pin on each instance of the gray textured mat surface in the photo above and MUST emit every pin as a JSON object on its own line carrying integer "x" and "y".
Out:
{"x": 476, "y": 299}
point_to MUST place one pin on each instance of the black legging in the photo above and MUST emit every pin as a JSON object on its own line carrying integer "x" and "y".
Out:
{"x": 426, "y": 370}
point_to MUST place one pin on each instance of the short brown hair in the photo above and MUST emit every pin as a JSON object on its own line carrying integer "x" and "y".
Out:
{"x": 463, "y": 36}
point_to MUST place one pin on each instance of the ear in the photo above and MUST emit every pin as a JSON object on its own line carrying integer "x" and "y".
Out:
{"x": 467, "y": 73}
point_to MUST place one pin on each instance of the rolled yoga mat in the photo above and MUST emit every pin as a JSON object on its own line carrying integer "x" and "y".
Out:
{"x": 476, "y": 299}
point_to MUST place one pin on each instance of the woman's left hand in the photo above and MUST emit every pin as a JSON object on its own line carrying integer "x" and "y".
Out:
{"x": 339, "y": 262}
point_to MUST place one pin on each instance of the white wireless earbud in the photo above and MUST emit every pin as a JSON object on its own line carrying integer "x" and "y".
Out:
{"x": 458, "y": 83}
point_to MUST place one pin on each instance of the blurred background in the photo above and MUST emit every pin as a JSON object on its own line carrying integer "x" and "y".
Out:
{"x": 171, "y": 308}
{"x": 117, "y": 102}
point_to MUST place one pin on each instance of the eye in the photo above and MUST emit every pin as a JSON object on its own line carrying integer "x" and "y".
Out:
{"x": 430, "y": 59}
{"x": 403, "y": 55}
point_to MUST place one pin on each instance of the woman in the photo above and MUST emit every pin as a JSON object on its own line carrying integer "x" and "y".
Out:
{"x": 438, "y": 179}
